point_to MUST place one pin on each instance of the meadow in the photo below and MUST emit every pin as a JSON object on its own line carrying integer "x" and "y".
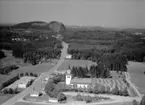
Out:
{"x": 136, "y": 71}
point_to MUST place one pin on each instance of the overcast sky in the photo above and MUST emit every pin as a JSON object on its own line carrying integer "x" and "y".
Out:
{"x": 106, "y": 13}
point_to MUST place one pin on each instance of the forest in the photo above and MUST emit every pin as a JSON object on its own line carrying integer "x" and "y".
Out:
{"x": 98, "y": 71}
{"x": 112, "y": 48}
{"x": 35, "y": 47}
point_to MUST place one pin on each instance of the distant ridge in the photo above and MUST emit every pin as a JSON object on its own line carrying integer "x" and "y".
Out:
{"x": 32, "y": 25}
{"x": 46, "y": 26}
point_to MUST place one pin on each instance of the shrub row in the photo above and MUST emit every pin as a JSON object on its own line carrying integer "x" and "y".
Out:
{"x": 89, "y": 99}
{"x": 8, "y": 69}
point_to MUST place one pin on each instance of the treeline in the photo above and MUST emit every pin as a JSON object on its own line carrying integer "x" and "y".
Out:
{"x": 96, "y": 71}
{"x": 113, "y": 61}
{"x": 2, "y": 55}
{"x": 133, "y": 48}
{"x": 8, "y": 69}
{"x": 8, "y": 82}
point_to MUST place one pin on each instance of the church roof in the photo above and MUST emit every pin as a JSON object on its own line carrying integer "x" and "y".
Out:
{"x": 81, "y": 81}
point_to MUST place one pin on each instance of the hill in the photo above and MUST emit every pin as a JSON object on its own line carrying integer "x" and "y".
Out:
{"x": 54, "y": 26}
{"x": 32, "y": 25}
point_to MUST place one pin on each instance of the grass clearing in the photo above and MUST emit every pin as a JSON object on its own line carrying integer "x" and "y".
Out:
{"x": 5, "y": 97}
{"x": 136, "y": 71}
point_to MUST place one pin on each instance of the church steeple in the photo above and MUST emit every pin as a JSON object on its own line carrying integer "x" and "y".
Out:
{"x": 68, "y": 77}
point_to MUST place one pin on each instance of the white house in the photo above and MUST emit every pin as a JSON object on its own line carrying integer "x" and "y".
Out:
{"x": 53, "y": 100}
{"x": 35, "y": 94}
{"x": 22, "y": 85}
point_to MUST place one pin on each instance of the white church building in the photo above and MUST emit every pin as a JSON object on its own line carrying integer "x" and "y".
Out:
{"x": 78, "y": 82}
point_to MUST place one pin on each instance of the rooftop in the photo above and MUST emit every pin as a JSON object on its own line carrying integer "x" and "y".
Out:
{"x": 81, "y": 81}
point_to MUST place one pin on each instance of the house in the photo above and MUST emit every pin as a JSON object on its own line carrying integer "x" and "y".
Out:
{"x": 35, "y": 94}
{"x": 22, "y": 85}
{"x": 53, "y": 100}
{"x": 81, "y": 82}
{"x": 78, "y": 82}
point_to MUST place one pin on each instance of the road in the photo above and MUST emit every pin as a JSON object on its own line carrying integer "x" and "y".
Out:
{"x": 37, "y": 83}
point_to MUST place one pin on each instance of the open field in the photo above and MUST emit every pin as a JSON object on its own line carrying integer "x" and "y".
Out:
{"x": 136, "y": 71}
{"x": 11, "y": 60}
{"x": 5, "y": 97}
{"x": 83, "y": 63}
{"x": 35, "y": 69}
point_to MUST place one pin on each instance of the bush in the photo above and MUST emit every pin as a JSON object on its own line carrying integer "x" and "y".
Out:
{"x": 10, "y": 91}
{"x": 61, "y": 97}
{"x": 49, "y": 88}
{"x": 88, "y": 99}
{"x": 10, "y": 81}
{"x": 79, "y": 97}
{"x": 8, "y": 69}
{"x": 5, "y": 91}
{"x": 135, "y": 102}
{"x": 99, "y": 88}
{"x": 115, "y": 90}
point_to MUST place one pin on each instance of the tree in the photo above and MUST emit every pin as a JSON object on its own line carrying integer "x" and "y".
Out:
{"x": 21, "y": 75}
{"x": 135, "y": 102}
{"x": 26, "y": 74}
{"x": 88, "y": 99}
{"x": 11, "y": 91}
{"x": 79, "y": 97}
{"x": 61, "y": 97}
{"x": 142, "y": 100}
{"x": 5, "y": 91}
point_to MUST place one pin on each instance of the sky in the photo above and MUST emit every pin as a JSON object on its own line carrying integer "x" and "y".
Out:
{"x": 105, "y": 13}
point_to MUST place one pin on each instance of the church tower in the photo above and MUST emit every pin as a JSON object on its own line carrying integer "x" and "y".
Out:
{"x": 68, "y": 77}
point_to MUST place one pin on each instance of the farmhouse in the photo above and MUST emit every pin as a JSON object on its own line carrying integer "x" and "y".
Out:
{"x": 78, "y": 82}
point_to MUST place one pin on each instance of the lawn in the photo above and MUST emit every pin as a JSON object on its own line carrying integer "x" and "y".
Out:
{"x": 4, "y": 98}
{"x": 83, "y": 63}
{"x": 136, "y": 71}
